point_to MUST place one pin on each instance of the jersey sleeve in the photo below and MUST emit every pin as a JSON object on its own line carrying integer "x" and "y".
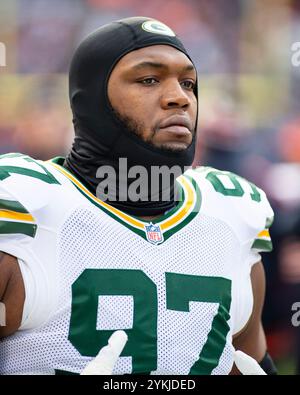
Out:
{"x": 24, "y": 203}
{"x": 245, "y": 209}
{"x": 262, "y": 241}
{"x": 18, "y": 228}
{"x": 15, "y": 219}
{"x": 260, "y": 218}
{"x": 18, "y": 225}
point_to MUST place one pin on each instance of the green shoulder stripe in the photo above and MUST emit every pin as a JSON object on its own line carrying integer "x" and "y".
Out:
{"x": 262, "y": 245}
{"x": 7, "y": 227}
{"x": 11, "y": 205}
{"x": 15, "y": 219}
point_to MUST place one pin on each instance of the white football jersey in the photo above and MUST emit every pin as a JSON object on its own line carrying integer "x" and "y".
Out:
{"x": 179, "y": 286}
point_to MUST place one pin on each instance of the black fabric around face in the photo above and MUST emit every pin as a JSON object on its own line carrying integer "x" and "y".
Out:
{"x": 100, "y": 138}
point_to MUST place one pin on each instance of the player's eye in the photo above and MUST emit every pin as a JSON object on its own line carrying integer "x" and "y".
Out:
{"x": 188, "y": 84}
{"x": 148, "y": 81}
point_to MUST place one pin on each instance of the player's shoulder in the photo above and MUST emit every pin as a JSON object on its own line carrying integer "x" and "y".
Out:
{"x": 24, "y": 165}
{"x": 228, "y": 187}
{"x": 233, "y": 199}
{"x": 25, "y": 194}
{"x": 26, "y": 179}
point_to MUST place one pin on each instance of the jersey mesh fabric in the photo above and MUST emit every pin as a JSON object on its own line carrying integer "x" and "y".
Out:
{"x": 90, "y": 239}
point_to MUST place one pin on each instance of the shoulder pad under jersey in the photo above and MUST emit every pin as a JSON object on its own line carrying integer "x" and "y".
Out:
{"x": 238, "y": 202}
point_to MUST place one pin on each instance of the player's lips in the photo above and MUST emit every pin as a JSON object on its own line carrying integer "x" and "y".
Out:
{"x": 179, "y": 124}
{"x": 177, "y": 129}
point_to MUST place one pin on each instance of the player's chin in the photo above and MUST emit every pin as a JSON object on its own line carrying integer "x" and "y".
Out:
{"x": 174, "y": 146}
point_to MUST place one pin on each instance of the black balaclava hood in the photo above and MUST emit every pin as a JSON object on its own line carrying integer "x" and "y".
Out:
{"x": 100, "y": 138}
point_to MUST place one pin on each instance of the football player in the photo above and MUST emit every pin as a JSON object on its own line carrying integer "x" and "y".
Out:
{"x": 176, "y": 266}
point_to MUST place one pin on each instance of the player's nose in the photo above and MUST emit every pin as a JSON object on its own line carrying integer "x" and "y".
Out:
{"x": 174, "y": 96}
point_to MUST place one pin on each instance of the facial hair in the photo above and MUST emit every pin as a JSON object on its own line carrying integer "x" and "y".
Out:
{"x": 132, "y": 126}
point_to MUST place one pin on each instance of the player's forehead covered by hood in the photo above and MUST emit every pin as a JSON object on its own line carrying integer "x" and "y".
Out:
{"x": 95, "y": 59}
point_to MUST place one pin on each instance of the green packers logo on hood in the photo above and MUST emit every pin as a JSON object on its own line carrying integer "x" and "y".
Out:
{"x": 157, "y": 28}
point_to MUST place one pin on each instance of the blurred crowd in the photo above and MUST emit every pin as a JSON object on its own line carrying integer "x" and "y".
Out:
{"x": 249, "y": 106}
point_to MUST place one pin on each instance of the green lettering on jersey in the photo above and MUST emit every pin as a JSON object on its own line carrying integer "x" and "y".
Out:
{"x": 6, "y": 171}
{"x": 182, "y": 289}
{"x": 214, "y": 179}
{"x": 142, "y": 337}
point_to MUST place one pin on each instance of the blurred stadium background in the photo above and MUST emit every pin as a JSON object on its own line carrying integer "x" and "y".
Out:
{"x": 249, "y": 106}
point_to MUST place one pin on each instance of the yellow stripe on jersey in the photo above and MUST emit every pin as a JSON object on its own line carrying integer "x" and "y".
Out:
{"x": 16, "y": 216}
{"x": 186, "y": 208}
{"x": 15, "y": 219}
{"x": 124, "y": 216}
{"x": 264, "y": 234}
{"x": 166, "y": 224}
{"x": 263, "y": 241}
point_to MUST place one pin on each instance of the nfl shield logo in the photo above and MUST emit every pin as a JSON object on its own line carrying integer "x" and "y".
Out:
{"x": 154, "y": 233}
